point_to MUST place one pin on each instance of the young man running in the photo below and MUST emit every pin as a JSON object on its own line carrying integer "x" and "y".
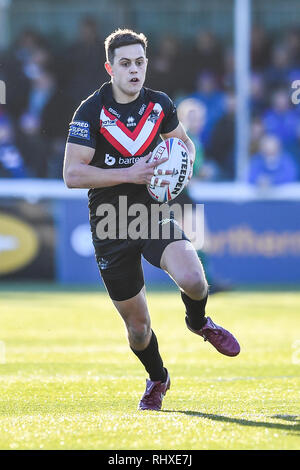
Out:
{"x": 111, "y": 135}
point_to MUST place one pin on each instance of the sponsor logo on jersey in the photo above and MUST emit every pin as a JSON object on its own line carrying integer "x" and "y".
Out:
{"x": 142, "y": 109}
{"x": 113, "y": 111}
{"x": 128, "y": 160}
{"x": 131, "y": 121}
{"x": 80, "y": 129}
{"x": 109, "y": 160}
{"x": 154, "y": 115}
{"x": 109, "y": 122}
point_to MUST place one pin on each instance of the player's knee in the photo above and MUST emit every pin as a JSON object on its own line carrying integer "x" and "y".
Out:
{"x": 138, "y": 332}
{"x": 194, "y": 285}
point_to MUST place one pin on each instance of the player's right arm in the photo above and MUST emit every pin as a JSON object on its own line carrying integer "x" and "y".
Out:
{"x": 78, "y": 173}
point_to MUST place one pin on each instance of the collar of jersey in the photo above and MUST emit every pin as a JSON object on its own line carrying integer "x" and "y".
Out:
{"x": 115, "y": 103}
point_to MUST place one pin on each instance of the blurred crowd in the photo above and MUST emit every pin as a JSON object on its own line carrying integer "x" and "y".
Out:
{"x": 46, "y": 81}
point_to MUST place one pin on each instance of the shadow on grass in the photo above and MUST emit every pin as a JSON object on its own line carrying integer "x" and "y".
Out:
{"x": 295, "y": 427}
{"x": 293, "y": 418}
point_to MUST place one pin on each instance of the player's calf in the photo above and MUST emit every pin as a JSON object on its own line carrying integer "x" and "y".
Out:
{"x": 195, "y": 310}
{"x": 194, "y": 293}
{"x": 151, "y": 359}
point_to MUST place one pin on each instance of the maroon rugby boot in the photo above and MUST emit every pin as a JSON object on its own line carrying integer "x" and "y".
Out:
{"x": 220, "y": 338}
{"x": 154, "y": 394}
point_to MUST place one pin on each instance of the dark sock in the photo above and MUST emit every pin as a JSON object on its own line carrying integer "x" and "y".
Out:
{"x": 152, "y": 361}
{"x": 195, "y": 311}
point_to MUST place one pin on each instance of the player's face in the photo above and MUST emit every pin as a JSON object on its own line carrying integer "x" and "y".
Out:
{"x": 128, "y": 70}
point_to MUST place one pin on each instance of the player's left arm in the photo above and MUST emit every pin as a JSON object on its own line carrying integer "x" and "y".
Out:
{"x": 180, "y": 133}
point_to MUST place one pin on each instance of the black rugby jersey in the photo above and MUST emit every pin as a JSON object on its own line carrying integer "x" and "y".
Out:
{"x": 120, "y": 134}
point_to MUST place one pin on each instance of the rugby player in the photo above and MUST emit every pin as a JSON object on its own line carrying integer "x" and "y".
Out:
{"x": 111, "y": 137}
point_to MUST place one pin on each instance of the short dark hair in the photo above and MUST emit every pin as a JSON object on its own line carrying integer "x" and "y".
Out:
{"x": 122, "y": 37}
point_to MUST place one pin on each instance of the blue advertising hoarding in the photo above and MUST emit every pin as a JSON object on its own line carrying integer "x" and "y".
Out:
{"x": 254, "y": 242}
{"x": 246, "y": 243}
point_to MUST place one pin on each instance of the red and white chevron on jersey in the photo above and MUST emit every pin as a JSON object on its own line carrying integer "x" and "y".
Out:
{"x": 128, "y": 142}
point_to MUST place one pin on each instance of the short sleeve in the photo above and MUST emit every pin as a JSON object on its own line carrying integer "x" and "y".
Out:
{"x": 83, "y": 127}
{"x": 170, "y": 121}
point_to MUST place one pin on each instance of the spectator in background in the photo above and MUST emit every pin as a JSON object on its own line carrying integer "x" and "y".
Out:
{"x": 205, "y": 54}
{"x": 258, "y": 94}
{"x": 42, "y": 87}
{"x": 228, "y": 78}
{"x": 11, "y": 161}
{"x": 54, "y": 123}
{"x": 271, "y": 166}
{"x": 257, "y": 131}
{"x": 282, "y": 120}
{"x": 260, "y": 49}
{"x": 85, "y": 62}
{"x": 221, "y": 145}
{"x": 292, "y": 41}
{"x": 209, "y": 94}
{"x": 17, "y": 70}
{"x": 279, "y": 72}
{"x": 192, "y": 114}
{"x": 165, "y": 68}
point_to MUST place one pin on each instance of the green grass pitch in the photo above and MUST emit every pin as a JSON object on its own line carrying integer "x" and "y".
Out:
{"x": 69, "y": 381}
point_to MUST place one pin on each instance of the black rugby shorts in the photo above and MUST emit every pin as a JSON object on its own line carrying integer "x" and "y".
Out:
{"x": 119, "y": 261}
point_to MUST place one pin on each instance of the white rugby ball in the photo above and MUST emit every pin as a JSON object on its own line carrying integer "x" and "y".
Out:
{"x": 178, "y": 162}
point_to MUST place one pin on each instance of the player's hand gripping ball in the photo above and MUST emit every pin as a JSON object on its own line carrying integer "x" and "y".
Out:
{"x": 178, "y": 162}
